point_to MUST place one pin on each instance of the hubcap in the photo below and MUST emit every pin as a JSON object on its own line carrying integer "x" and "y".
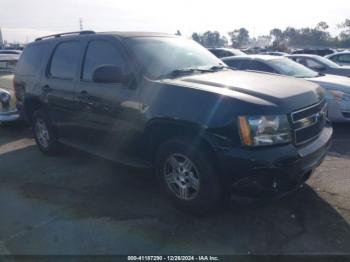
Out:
{"x": 42, "y": 133}
{"x": 181, "y": 176}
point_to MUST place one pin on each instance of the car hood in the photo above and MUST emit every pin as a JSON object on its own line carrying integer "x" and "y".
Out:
{"x": 285, "y": 93}
{"x": 341, "y": 83}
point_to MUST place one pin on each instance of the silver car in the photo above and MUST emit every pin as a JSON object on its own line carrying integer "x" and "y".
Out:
{"x": 341, "y": 58}
{"x": 321, "y": 64}
{"x": 337, "y": 87}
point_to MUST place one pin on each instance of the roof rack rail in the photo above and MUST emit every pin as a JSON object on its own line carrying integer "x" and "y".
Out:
{"x": 86, "y": 32}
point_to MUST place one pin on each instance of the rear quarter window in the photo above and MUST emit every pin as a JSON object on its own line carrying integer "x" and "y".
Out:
{"x": 30, "y": 61}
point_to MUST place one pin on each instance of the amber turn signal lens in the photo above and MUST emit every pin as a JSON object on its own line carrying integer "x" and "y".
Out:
{"x": 245, "y": 131}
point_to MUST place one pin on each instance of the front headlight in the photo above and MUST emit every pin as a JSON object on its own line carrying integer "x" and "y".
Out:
{"x": 264, "y": 130}
{"x": 5, "y": 97}
{"x": 339, "y": 95}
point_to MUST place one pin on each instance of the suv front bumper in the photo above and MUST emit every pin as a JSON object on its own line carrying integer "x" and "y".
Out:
{"x": 271, "y": 171}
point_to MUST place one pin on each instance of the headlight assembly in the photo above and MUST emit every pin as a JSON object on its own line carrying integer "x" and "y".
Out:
{"x": 339, "y": 95}
{"x": 5, "y": 97}
{"x": 264, "y": 130}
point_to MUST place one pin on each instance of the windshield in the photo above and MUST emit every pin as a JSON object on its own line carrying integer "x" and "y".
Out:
{"x": 160, "y": 56}
{"x": 327, "y": 62}
{"x": 288, "y": 67}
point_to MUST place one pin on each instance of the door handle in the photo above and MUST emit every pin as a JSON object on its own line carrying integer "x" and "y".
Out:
{"x": 46, "y": 88}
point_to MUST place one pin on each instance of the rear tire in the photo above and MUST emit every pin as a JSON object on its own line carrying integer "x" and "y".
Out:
{"x": 44, "y": 133}
{"x": 188, "y": 176}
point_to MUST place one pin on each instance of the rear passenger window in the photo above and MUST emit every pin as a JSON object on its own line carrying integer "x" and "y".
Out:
{"x": 65, "y": 60}
{"x": 30, "y": 60}
{"x": 100, "y": 52}
{"x": 344, "y": 58}
{"x": 259, "y": 66}
{"x": 238, "y": 64}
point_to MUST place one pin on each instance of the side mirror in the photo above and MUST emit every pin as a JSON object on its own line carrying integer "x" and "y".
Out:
{"x": 109, "y": 74}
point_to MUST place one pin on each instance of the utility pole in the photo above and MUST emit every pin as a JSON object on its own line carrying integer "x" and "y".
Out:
{"x": 1, "y": 39}
{"x": 81, "y": 24}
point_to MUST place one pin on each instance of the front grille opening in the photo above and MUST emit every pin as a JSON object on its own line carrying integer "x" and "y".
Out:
{"x": 309, "y": 122}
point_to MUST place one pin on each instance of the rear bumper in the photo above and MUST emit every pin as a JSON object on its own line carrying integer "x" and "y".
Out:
{"x": 9, "y": 116}
{"x": 268, "y": 172}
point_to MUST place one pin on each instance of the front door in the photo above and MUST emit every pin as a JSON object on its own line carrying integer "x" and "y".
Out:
{"x": 108, "y": 112}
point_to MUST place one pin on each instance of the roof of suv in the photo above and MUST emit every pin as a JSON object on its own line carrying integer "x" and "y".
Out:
{"x": 127, "y": 34}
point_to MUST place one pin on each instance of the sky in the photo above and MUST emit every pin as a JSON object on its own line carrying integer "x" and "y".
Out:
{"x": 24, "y": 20}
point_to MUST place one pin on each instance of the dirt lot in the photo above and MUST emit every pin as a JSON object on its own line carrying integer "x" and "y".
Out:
{"x": 80, "y": 204}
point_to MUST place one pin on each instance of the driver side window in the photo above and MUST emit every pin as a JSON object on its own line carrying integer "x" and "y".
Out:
{"x": 101, "y": 52}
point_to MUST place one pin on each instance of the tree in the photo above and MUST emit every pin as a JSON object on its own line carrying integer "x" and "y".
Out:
{"x": 345, "y": 34}
{"x": 239, "y": 37}
{"x": 277, "y": 35}
{"x": 322, "y": 26}
{"x": 196, "y": 37}
{"x": 210, "y": 39}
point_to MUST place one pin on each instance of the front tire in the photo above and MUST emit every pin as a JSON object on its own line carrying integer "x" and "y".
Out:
{"x": 188, "y": 176}
{"x": 44, "y": 133}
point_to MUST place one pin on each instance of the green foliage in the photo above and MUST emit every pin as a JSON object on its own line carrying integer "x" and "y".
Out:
{"x": 210, "y": 39}
{"x": 239, "y": 37}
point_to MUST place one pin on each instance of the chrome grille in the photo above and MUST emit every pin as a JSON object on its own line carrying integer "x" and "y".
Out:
{"x": 309, "y": 122}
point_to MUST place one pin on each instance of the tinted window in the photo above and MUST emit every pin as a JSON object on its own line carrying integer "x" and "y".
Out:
{"x": 9, "y": 52}
{"x": 312, "y": 63}
{"x": 30, "y": 60}
{"x": 344, "y": 58}
{"x": 259, "y": 66}
{"x": 239, "y": 64}
{"x": 99, "y": 53}
{"x": 65, "y": 60}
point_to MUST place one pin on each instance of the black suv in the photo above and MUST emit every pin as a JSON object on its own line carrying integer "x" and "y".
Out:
{"x": 164, "y": 102}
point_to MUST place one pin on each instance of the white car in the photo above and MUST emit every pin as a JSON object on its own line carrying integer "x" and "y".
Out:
{"x": 341, "y": 58}
{"x": 337, "y": 88}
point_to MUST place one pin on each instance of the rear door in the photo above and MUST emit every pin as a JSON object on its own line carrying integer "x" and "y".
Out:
{"x": 108, "y": 112}
{"x": 58, "y": 85}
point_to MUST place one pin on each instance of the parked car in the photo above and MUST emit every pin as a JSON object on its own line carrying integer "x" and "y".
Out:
{"x": 275, "y": 53}
{"x": 341, "y": 58}
{"x": 225, "y": 52}
{"x": 321, "y": 64}
{"x": 8, "y": 63}
{"x": 10, "y": 52}
{"x": 165, "y": 102}
{"x": 8, "y": 111}
{"x": 337, "y": 87}
{"x": 320, "y": 52}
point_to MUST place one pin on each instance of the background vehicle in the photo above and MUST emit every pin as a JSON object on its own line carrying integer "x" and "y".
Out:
{"x": 8, "y": 63}
{"x": 8, "y": 111}
{"x": 320, "y": 52}
{"x": 274, "y": 53}
{"x": 337, "y": 87}
{"x": 342, "y": 58}
{"x": 321, "y": 64}
{"x": 161, "y": 101}
{"x": 225, "y": 52}
{"x": 10, "y": 52}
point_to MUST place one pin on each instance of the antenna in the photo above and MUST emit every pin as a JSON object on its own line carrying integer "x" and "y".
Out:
{"x": 81, "y": 24}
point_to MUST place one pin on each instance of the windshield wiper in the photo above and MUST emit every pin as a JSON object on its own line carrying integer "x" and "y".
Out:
{"x": 218, "y": 67}
{"x": 184, "y": 71}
